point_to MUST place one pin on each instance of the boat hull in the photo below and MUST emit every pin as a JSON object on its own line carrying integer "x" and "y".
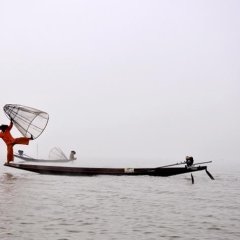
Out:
{"x": 86, "y": 171}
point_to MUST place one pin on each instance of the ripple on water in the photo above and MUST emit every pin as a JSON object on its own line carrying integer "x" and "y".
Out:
{"x": 58, "y": 207}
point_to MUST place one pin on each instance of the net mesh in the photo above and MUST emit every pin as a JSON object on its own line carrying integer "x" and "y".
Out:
{"x": 29, "y": 121}
{"x": 57, "y": 154}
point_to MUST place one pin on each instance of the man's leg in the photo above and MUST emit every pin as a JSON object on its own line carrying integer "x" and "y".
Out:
{"x": 21, "y": 140}
{"x": 10, "y": 156}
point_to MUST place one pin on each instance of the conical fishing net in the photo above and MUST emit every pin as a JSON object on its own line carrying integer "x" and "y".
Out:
{"x": 57, "y": 154}
{"x": 29, "y": 121}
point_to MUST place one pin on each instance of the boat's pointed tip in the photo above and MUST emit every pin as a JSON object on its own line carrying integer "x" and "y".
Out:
{"x": 7, "y": 164}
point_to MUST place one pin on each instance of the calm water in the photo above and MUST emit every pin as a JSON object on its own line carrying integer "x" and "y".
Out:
{"x": 37, "y": 206}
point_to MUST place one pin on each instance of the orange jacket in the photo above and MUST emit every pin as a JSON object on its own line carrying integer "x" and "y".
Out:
{"x": 7, "y": 136}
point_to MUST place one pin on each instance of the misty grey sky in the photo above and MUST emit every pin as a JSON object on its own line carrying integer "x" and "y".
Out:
{"x": 141, "y": 83}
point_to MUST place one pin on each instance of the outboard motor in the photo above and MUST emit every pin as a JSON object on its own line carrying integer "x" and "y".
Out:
{"x": 189, "y": 161}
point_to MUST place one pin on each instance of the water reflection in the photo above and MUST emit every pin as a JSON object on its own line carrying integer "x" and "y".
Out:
{"x": 35, "y": 206}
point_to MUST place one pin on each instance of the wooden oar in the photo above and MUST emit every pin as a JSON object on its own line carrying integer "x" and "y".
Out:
{"x": 183, "y": 163}
{"x": 192, "y": 178}
{"x": 173, "y": 165}
{"x": 201, "y": 163}
{"x": 209, "y": 174}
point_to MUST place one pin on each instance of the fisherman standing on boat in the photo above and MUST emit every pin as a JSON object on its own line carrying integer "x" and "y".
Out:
{"x": 72, "y": 157}
{"x": 10, "y": 141}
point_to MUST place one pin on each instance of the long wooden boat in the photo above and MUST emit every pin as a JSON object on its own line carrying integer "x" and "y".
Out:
{"x": 87, "y": 171}
{"x": 37, "y": 160}
{"x": 56, "y": 155}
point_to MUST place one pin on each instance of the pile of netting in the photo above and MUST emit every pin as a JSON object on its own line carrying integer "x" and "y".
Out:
{"x": 57, "y": 154}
